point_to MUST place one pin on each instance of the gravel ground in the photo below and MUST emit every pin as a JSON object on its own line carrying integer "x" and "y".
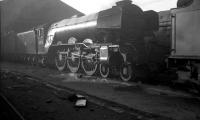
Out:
{"x": 143, "y": 98}
{"x": 36, "y": 101}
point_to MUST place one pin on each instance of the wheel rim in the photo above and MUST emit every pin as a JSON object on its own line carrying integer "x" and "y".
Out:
{"x": 60, "y": 62}
{"x": 73, "y": 61}
{"x": 89, "y": 66}
{"x": 104, "y": 70}
{"x": 126, "y": 72}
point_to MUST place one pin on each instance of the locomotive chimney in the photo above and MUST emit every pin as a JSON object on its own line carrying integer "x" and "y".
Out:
{"x": 124, "y": 3}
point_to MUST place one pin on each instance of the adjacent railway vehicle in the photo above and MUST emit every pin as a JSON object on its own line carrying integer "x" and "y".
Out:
{"x": 122, "y": 40}
{"x": 185, "y": 41}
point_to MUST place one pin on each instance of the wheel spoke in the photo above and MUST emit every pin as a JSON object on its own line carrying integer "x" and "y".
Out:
{"x": 89, "y": 64}
{"x": 73, "y": 62}
{"x": 60, "y": 61}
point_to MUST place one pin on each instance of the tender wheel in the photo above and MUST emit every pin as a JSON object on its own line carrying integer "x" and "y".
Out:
{"x": 89, "y": 65}
{"x": 60, "y": 61}
{"x": 43, "y": 61}
{"x": 28, "y": 59}
{"x": 126, "y": 72}
{"x": 34, "y": 61}
{"x": 73, "y": 61}
{"x": 24, "y": 59}
{"x": 104, "y": 70}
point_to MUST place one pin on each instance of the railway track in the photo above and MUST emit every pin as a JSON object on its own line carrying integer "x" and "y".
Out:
{"x": 8, "y": 111}
{"x": 29, "y": 73}
{"x": 61, "y": 92}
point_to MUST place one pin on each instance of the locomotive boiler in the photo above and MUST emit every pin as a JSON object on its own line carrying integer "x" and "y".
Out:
{"x": 110, "y": 41}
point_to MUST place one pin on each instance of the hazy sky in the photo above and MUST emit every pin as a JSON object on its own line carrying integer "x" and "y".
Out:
{"x": 92, "y": 6}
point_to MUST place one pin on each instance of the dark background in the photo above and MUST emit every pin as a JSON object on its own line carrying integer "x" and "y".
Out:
{"x": 21, "y": 15}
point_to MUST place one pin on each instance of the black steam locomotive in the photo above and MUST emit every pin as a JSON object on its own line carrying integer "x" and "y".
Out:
{"x": 122, "y": 40}
{"x": 111, "y": 40}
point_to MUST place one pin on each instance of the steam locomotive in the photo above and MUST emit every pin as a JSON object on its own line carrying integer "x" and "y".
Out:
{"x": 111, "y": 40}
{"x": 122, "y": 40}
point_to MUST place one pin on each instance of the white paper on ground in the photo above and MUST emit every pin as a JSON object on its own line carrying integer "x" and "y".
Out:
{"x": 81, "y": 103}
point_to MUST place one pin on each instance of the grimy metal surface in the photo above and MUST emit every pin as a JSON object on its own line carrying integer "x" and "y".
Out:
{"x": 186, "y": 31}
{"x": 28, "y": 40}
{"x": 110, "y": 18}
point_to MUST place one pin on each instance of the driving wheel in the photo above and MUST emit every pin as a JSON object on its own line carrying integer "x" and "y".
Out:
{"x": 126, "y": 72}
{"x": 60, "y": 61}
{"x": 104, "y": 70}
{"x": 89, "y": 64}
{"x": 73, "y": 61}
